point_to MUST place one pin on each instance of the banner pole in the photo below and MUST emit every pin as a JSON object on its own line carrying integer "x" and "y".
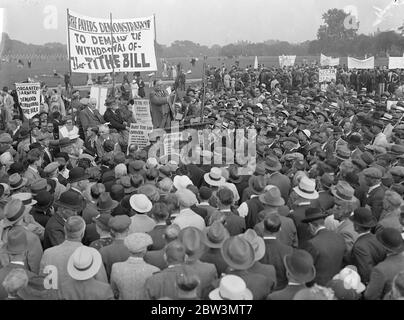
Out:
{"x": 69, "y": 87}
{"x": 112, "y": 58}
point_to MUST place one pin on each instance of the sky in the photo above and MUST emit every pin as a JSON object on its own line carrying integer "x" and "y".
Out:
{"x": 206, "y": 22}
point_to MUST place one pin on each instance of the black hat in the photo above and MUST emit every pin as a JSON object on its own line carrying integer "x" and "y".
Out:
{"x": 391, "y": 239}
{"x": 313, "y": 214}
{"x": 363, "y": 217}
{"x": 77, "y": 174}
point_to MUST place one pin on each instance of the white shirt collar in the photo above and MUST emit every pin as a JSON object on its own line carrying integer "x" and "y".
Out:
{"x": 374, "y": 187}
{"x": 319, "y": 229}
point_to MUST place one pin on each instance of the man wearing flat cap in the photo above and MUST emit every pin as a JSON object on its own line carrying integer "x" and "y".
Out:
{"x": 128, "y": 277}
{"x": 117, "y": 251}
{"x": 375, "y": 194}
{"x": 52, "y": 173}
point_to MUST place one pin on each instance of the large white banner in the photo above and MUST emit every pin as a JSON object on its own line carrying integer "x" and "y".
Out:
{"x": 327, "y": 75}
{"x": 93, "y": 49}
{"x": 29, "y": 97}
{"x": 396, "y": 62}
{"x": 361, "y": 64}
{"x": 328, "y": 61}
{"x": 287, "y": 61}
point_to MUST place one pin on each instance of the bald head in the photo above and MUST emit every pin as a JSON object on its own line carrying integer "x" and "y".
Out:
{"x": 93, "y": 103}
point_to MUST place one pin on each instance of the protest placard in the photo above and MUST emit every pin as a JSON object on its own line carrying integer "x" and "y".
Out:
{"x": 29, "y": 97}
{"x": 139, "y": 134}
{"x": 328, "y": 61}
{"x": 141, "y": 111}
{"x": 327, "y": 75}
{"x": 99, "y": 94}
{"x": 361, "y": 64}
{"x": 95, "y": 48}
{"x": 396, "y": 62}
{"x": 287, "y": 61}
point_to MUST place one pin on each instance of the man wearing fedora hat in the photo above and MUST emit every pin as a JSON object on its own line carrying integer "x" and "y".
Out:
{"x": 367, "y": 251}
{"x": 327, "y": 247}
{"x": 383, "y": 273}
{"x": 187, "y": 217}
{"x": 16, "y": 249}
{"x": 191, "y": 238}
{"x": 390, "y": 217}
{"x": 213, "y": 238}
{"x": 68, "y": 205}
{"x": 83, "y": 266}
{"x": 128, "y": 277}
{"x": 17, "y": 214}
{"x": 52, "y": 172}
{"x": 276, "y": 178}
{"x": 103, "y": 230}
{"x": 116, "y": 251}
{"x": 59, "y": 255}
{"x": 240, "y": 257}
{"x": 300, "y": 270}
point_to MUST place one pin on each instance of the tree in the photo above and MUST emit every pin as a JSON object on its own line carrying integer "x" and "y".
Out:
{"x": 334, "y": 27}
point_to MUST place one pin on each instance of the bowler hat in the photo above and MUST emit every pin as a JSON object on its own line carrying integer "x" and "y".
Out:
{"x": 300, "y": 265}
{"x": 391, "y": 239}
{"x": 44, "y": 199}
{"x": 70, "y": 200}
{"x": 77, "y": 174}
{"x": 363, "y": 217}
{"x": 313, "y": 214}
{"x": 238, "y": 253}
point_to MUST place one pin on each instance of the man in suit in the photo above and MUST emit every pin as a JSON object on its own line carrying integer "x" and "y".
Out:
{"x": 116, "y": 251}
{"x": 240, "y": 257}
{"x": 345, "y": 204}
{"x": 191, "y": 238}
{"x": 300, "y": 270}
{"x": 213, "y": 238}
{"x": 156, "y": 257}
{"x": 163, "y": 284}
{"x": 90, "y": 117}
{"x": 117, "y": 121}
{"x": 159, "y": 106}
{"x": 160, "y": 214}
{"x": 34, "y": 159}
{"x": 325, "y": 198}
{"x": 375, "y": 193}
{"x": 275, "y": 178}
{"x": 205, "y": 194}
{"x": 68, "y": 205}
{"x": 383, "y": 273}
{"x": 275, "y": 250}
{"x": 128, "y": 277}
{"x": 59, "y": 255}
{"x": 258, "y": 244}
{"x": 367, "y": 251}
{"x": 326, "y": 247}
{"x": 82, "y": 284}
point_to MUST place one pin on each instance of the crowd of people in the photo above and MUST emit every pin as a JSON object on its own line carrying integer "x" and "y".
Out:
{"x": 320, "y": 216}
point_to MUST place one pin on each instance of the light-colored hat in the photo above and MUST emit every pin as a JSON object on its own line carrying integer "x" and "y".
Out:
{"x": 151, "y": 163}
{"x": 137, "y": 242}
{"x": 186, "y": 198}
{"x": 351, "y": 279}
{"x": 307, "y": 188}
{"x": 257, "y": 243}
{"x": 181, "y": 182}
{"x": 16, "y": 181}
{"x": 140, "y": 203}
{"x": 6, "y": 158}
{"x": 231, "y": 287}
{"x": 51, "y": 167}
{"x": 25, "y": 198}
{"x": 343, "y": 191}
{"x": 84, "y": 263}
{"x": 214, "y": 177}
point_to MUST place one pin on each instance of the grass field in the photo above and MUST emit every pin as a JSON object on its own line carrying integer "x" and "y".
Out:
{"x": 10, "y": 73}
